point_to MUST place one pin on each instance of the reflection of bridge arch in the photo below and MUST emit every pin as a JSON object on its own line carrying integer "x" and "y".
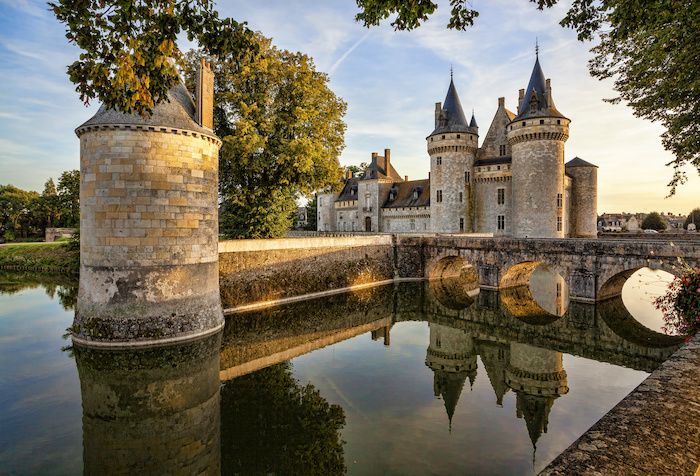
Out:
{"x": 612, "y": 280}
{"x": 455, "y": 293}
{"x": 517, "y": 302}
{"x": 539, "y": 292}
{"x": 623, "y": 324}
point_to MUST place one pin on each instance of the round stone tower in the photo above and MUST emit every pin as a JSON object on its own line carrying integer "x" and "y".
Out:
{"x": 149, "y": 223}
{"x": 537, "y": 136}
{"x": 584, "y": 197}
{"x": 452, "y": 148}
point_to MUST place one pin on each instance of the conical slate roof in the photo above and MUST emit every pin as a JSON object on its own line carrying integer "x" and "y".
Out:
{"x": 177, "y": 112}
{"x": 537, "y": 92}
{"x": 472, "y": 123}
{"x": 452, "y": 117}
{"x": 579, "y": 162}
{"x": 449, "y": 386}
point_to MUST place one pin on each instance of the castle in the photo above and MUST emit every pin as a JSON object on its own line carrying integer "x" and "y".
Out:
{"x": 515, "y": 184}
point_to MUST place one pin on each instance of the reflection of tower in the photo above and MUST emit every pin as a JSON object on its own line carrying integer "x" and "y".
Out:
{"x": 452, "y": 358}
{"x": 538, "y": 377}
{"x": 153, "y": 411}
{"x": 495, "y": 358}
{"x": 383, "y": 333}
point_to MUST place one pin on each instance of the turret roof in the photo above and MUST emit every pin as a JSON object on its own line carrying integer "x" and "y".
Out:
{"x": 537, "y": 91}
{"x": 579, "y": 162}
{"x": 472, "y": 123}
{"x": 453, "y": 118}
{"x": 177, "y": 112}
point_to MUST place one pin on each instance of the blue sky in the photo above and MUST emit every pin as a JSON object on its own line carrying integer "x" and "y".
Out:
{"x": 391, "y": 81}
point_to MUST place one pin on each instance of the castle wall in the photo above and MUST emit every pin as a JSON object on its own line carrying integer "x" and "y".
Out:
{"x": 486, "y": 205}
{"x": 149, "y": 222}
{"x": 538, "y": 177}
{"x": 584, "y": 197}
{"x": 456, "y": 152}
{"x": 406, "y": 220}
{"x": 326, "y": 219}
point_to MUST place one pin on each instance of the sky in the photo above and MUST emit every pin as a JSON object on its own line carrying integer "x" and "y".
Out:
{"x": 390, "y": 80}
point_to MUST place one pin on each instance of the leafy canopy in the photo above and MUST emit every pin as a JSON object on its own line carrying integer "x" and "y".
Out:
{"x": 282, "y": 130}
{"x": 653, "y": 221}
{"x": 649, "y": 48}
{"x": 127, "y": 46}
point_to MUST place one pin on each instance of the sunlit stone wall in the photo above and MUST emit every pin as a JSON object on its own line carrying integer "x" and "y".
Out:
{"x": 149, "y": 234}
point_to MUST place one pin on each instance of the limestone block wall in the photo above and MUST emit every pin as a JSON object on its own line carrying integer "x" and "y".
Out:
{"x": 149, "y": 234}
{"x": 451, "y": 155}
{"x": 486, "y": 206}
{"x": 406, "y": 220}
{"x": 584, "y": 198}
{"x": 267, "y": 270}
{"x": 538, "y": 176}
{"x": 326, "y": 212}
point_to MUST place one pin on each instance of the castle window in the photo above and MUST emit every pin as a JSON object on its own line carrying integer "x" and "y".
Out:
{"x": 498, "y": 167}
{"x": 502, "y": 150}
{"x": 415, "y": 194}
{"x": 460, "y": 197}
{"x": 488, "y": 169}
{"x": 558, "y": 121}
{"x": 560, "y": 200}
{"x": 412, "y": 224}
{"x": 438, "y": 196}
{"x": 501, "y": 222}
{"x": 458, "y": 136}
{"x": 431, "y": 139}
{"x": 541, "y": 121}
{"x": 467, "y": 176}
{"x": 559, "y": 224}
{"x": 524, "y": 123}
{"x": 501, "y": 195}
{"x": 443, "y": 137}
{"x": 320, "y": 201}
{"x": 461, "y": 224}
{"x": 438, "y": 160}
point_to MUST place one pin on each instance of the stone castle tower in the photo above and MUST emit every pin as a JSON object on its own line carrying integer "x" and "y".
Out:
{"x": 536, "y": 137}
{"x": 452, "y": 148}
{"x": 149, "y": 222}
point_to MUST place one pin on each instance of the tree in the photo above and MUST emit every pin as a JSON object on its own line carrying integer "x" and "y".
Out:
{"x": 653, "y": 221}
{"x": 128, "y": 46}
{"x": 69, "y": 198}
{"x": 311, "y": 214}
{"x": 693, "y": 217}
{"x": 356, "y": 169}
{"x": 648, "y": 48}
{"x": 15, "y": 212}
{"x": 282, "y": 133}
{"x": 50, "y": 204}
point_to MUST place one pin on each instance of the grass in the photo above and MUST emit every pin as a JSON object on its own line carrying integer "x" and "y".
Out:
{"x": 56, "y": 257}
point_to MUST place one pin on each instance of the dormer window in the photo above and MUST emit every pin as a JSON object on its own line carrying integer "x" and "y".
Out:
{"x": 415, "y": 194}
{"x": 502, "y": 150}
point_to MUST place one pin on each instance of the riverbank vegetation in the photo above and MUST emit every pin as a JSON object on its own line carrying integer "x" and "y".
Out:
{"x": 25, "y": 215}
{"x": 61, "y": 257}
{"x": 681, "y": 304}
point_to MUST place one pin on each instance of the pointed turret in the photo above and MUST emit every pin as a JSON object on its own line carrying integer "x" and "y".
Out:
{"x": 449, "y": 116}
{"x": 449, "y": 385}
{"x": 472, "y": 123}
{"x": 537, "y": 100}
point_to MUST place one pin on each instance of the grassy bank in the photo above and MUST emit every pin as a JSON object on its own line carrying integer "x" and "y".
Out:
{"x": 46, "y": 257}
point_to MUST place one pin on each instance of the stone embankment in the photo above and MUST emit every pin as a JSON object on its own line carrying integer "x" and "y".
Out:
{"x": 653, "y": 430}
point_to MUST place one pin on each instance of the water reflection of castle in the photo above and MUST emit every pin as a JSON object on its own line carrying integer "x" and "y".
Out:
{"x": 536, "y": 375}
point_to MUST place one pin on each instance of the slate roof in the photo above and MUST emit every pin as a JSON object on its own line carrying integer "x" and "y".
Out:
{"x": 536, "y": 90}
{"x": 178, "y": 112}
{"x": 453, "y": 118}
{"x": 403, "y": 194}
{"x": 472, "y": 123}
{"x": 349, "y": 191}
{"x": 377, "y": 170}
{"x": 579, "y": 162}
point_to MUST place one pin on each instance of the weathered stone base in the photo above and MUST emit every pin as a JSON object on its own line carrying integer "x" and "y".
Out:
{"x": 147, "y": 305}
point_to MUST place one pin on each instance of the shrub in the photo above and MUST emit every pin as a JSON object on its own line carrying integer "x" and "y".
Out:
{"x": 681, "y": 304}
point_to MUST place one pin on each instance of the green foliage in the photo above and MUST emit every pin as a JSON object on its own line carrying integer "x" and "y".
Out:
{"x": 16, "y": 207}
{"x": 282, "y": 132}
{"x": 127, "y": 46}
{"x": 312, "y": 214}
{"x": 49, "y": 257}
{"x": 69, "y": 198}
{"x": 653, "y": 221}
{"x": 648, "y": 48}
{"x": 693, "y": 217}
{"x": 356, "y": 169}
{"x": 273, "y": 425}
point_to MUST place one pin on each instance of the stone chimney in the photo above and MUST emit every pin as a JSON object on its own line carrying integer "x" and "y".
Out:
{"x": 405, "y": 178}
{"x": 501, "y": 103}
{"x": 387, "y": 160}
{"x": 521, "y": 95}
{"x": 438, "y": 112}
{"x": 205, "y": 95}
{"x": 548, "y": 91}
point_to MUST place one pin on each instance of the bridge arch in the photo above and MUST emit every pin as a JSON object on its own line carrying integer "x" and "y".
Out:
{"x": 538, "y": 292}
{"x": 612, "y": 279}
{"x": 450, "y": 266}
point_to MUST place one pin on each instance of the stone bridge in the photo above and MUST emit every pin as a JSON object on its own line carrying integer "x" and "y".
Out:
{"x": 594, "y": 269}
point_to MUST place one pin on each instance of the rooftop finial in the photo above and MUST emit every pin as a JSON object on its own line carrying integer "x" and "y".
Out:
{"x": 451, "y": 73}
{"x": 537, "y": 48}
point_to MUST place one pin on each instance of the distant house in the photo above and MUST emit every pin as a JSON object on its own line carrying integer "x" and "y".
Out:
{"x": 301, "y": 219}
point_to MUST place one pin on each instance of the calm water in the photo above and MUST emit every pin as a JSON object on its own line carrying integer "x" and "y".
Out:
{"x": 410, "y": 379}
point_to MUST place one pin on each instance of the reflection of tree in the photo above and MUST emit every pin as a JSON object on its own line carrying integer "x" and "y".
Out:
{"x": 273, "y": 425}
{"x": 65, "y": 286}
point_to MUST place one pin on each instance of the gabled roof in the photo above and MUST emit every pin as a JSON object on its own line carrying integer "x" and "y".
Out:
{"x": 349, "y": 192}
{"x": 579, "y": 162}
{"x": 537, "y": 92}
{"x": 402, "y": 193}
{"x": 377, "y": 169}
{"x": 178, "y": 112}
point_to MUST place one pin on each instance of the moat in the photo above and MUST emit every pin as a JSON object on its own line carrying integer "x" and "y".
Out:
{"x": 411, "y": 378}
